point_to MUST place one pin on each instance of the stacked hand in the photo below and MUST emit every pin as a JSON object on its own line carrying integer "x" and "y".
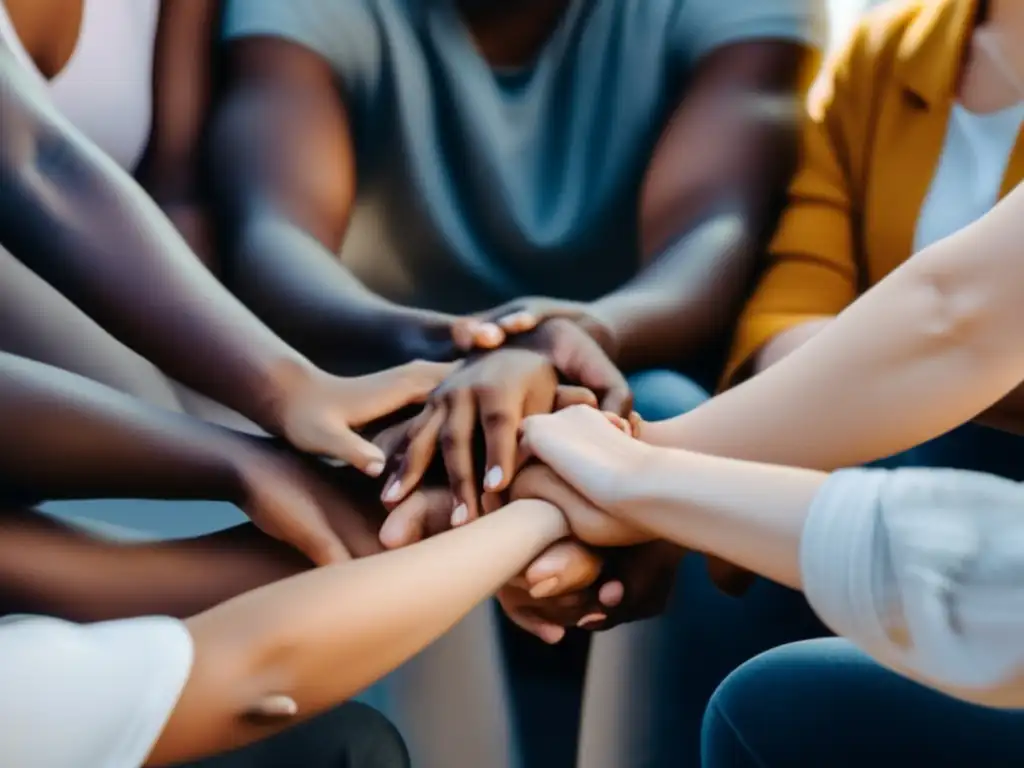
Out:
{"x": 299, "y": 501}
{"x": 320, "y": 412}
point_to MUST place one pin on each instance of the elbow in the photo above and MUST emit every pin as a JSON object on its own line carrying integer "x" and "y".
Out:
{"x": 957, "y": 312}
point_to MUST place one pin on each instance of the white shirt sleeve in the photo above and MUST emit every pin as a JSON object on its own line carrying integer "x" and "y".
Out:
{"x": 924, "y": 570}
{"x": 95, "y": 695}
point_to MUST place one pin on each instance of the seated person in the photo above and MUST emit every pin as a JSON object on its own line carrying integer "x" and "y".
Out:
{"x": 610, "y": 165}
{"x": 932, "y": 346}
{"x": 913, "y": 132}
{"x": 153, "y": 689}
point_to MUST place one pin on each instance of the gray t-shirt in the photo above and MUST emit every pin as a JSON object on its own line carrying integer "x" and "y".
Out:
{"x": 478, "y": 186}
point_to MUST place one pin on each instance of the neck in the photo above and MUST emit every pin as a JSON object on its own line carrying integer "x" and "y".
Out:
{"x": 1007, "y": 16}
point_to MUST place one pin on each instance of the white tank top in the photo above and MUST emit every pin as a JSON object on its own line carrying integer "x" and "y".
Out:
{"x": 106, "y": 88}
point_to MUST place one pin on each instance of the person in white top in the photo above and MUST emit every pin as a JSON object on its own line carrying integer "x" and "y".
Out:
{"x": 190, "y": 670}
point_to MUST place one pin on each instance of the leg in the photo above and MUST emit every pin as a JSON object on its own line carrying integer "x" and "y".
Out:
{"x": 648, "y": 683}
{"x": 972, "y": 447}
{"x": 351, "y": 736}
{"x": 823, "y": 702}
{"x": 451, "y": 702}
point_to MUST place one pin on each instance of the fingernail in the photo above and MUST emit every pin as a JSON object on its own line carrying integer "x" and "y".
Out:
{"x": 393, "y": 491}
{"x": 552, "y": 635}
{"x": 590, "y": 620}
{"x": 517, "y": 318}
{"x": 493, "y": 478}
{"x": 460, "y": 515}
{"x": 545, "y": 588}
{"x": 374, "y": 468}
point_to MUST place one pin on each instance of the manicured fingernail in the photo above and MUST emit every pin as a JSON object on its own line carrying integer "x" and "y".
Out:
{"x": 552, "y": 635}
{"x": 460, "y": 515}
{"x": 517, "y": 319}
{"x": 374, "y": 468}
{"x": 545, "y": 588}
{"x": 590, "y": 620}
{"x": 493, "y": 478}
{"x": 393, "y": 491}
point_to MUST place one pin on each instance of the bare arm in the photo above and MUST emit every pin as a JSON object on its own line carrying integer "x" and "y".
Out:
{"x": 77, "y": 220}
{"x": 66, "y": 437}
{"x": 280, "y": 640}
{"x": 711, "y": 192}
{"x": 285, "y": 168}
{"x": 927, "y": 349}
{"x": 184, "y": 76}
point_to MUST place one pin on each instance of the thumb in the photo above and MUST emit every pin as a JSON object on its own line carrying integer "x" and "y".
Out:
{"x": 393, "y": 389}
{"x": 342, "y": 444}
{"x": 590, "y": 367}
{"x": 471, "y": 333}
{"x": 309, "y": 532}
{"x": 423, "y": 514}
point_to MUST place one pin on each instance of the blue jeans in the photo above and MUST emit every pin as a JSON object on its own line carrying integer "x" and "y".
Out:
{"x": 648, "y": 683}
{"x": 824, "y": 703}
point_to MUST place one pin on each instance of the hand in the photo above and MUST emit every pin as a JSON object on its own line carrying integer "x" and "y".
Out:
{"x": 557, "y": 590}
{"x": 576, "y": 605}
{"x": 580, "y": 360}
{"x": 288, "y": 501}
{"x": 644, "y": 577}
{"x": 588, "y": 523}
{"x": 589, "y": 452}
{"x": 497, "y": 390}
{"x": 319, "y": 412}
{"x": 523, "y": 315}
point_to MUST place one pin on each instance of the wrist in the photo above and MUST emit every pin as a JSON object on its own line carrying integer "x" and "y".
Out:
{"x": 423, "y": 335}
{"x": 283, "y": 382}
{"x": 601, "y": 328}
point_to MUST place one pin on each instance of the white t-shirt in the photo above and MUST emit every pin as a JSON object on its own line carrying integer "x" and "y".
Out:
{"x": 970, "y": 173}
{"x": 88, "y": 696}
{"x": 924, "y": 570}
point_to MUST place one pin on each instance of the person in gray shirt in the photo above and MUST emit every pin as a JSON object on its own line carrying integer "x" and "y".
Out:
{"x": 607, "y": 168}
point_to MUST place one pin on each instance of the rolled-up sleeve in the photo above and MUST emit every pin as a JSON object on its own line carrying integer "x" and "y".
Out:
{"x": 701, "y": 26}
{"x": 811, "y": 270}
{"x": 924, "y": 570}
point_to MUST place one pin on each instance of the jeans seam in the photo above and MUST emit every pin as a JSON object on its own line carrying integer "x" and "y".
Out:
{"x": 756, "y": 758}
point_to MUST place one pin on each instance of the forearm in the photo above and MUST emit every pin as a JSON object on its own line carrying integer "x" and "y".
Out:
{"x": 685, "y": 299}
{"x": 925, "y": 350}
{"x": 67, "y": 437}
{"x": 280, "y": 640}
{"x": 51, "y": 569}
{"x": 749, "y": 514}
{"x": 88, "y": 229}
{"x": 305, "y": 293}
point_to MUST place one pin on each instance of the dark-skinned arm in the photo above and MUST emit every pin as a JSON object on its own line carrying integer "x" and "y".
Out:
{"x": 710, "y": 195}
{"x": 284, "y": 165}
{"x": 81, "y": 223}
{"x": 184, "y": 80}
{"x": 66, "y": 437}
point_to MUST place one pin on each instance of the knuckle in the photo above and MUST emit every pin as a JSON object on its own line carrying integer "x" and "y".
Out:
{"x": 495, "y": 419}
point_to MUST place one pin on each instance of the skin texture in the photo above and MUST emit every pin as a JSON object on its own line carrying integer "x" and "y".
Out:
{"x": 704, "y": 503}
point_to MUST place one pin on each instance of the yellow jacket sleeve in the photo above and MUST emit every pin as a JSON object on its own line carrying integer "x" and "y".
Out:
{"x": 812, "y": 265}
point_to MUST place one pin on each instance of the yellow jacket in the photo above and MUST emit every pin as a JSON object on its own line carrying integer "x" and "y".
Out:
{"x": 875, "y": 131}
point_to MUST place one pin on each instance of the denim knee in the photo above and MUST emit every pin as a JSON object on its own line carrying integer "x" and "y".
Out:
{"x": 663, "y": 394}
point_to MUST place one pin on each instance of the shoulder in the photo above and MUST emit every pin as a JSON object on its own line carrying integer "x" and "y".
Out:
{"x": 335, "y": 29}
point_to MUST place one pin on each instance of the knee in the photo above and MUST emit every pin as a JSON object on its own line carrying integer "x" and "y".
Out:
{"x": 370, "y": 740}
{"x": 662, "y": 394}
